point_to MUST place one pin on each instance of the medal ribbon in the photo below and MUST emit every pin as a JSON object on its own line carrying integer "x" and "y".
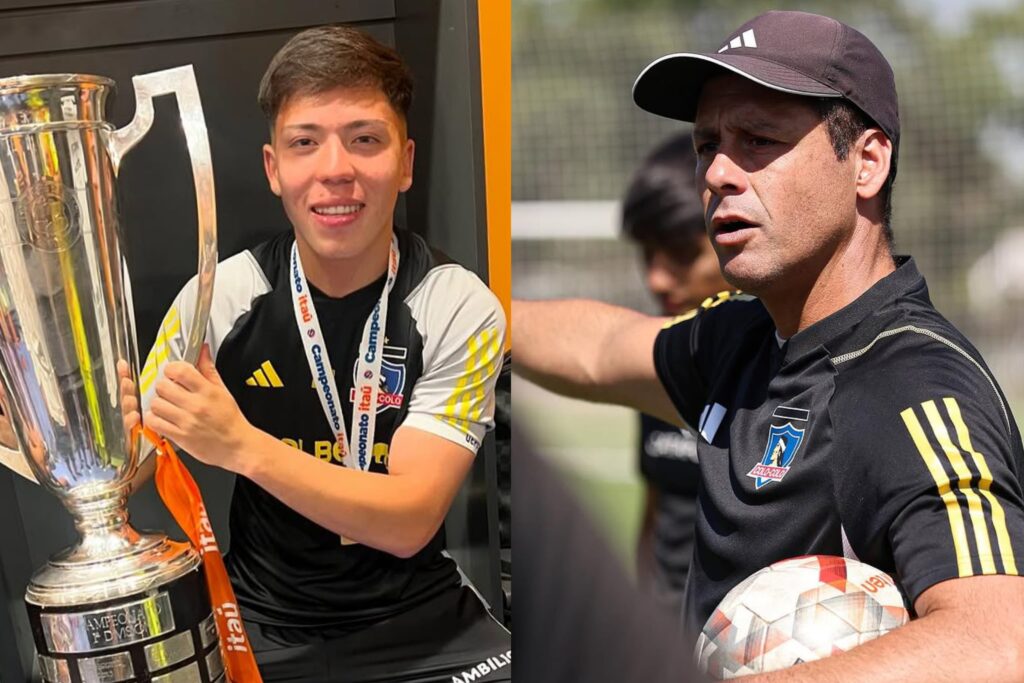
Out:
{"x": 181, "y": 496}
{"x": 357, "y": 446}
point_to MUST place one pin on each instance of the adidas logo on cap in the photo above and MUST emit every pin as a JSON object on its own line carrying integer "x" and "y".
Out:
{"x": 746, "y": 39}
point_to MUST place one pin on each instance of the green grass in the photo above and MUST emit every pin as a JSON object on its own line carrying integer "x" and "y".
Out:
{"x": 616, "y": 507}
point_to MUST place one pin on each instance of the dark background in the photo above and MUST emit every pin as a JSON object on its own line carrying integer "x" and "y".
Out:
{"x": 230, "y": 42}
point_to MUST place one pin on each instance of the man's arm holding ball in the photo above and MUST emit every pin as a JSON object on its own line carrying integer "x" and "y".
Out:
{"x": 969, "y": 629}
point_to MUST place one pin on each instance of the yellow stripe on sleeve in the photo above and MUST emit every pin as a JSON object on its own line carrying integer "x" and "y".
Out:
{"x": 977, "y": 513}
{"x": 156, "y": 359}
{"x": 493, "y": 354}
{"x": 450, "y": 408}
{"x": 169, "y": 327}
{"x": 490, "y": 350}
{"x": 956, "y": 520}
{"x": 474, "y": 376}
{"x": 998, "y": 515}
{"x": 474, "y": 393}
{"x": 468, "y": 398}
{"x": 689, "y": 315}
{"x": 160, "y": 350}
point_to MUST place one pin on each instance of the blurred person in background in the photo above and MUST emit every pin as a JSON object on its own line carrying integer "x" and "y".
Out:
{"x": 662, "y": 214}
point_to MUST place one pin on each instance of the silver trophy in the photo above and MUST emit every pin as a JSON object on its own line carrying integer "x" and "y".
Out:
{"x": 119, "y": 605}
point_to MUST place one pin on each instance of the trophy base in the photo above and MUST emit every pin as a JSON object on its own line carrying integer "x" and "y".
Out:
{"x": 165, "y": 634}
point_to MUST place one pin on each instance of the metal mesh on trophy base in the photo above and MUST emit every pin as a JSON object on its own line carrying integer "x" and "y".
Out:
{"x": 166, "y": 634}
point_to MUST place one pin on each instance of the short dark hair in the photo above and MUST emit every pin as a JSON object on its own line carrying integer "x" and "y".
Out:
{"x": 321, "y": 59}
{"x": 661, "y": 208}
{"x": 845, "y": 123}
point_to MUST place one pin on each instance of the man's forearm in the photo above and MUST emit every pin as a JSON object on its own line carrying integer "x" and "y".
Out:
{"x": 382, "y": 511}
{"x": 570, "y": 347}
{"x": 947, "y": 646}
{"x": 545, "y": 351}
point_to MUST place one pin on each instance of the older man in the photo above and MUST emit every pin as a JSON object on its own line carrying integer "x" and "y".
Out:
{"x": 839, "y": 412}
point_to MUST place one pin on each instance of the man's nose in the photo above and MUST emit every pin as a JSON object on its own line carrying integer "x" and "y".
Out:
{"x": 724, "y": 176}
{"x": 335, "y": 163}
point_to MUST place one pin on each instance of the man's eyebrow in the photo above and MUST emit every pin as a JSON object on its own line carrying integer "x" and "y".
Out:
{"x": 365, "y": 123}
{"x": 703, "y": 133}
{"x": 765, "y": 125}
{"x": 756, "y": 124}
{"x": 312, "y": 127}
{"x": 351, "y": 125}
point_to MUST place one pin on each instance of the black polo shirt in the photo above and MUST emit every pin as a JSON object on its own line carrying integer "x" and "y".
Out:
{"x": 876, "y": 433}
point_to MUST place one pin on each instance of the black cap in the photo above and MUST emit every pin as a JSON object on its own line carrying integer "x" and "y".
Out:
{"x": 793, "y": 52}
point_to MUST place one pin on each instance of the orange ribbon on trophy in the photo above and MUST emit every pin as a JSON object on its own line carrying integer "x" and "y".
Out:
{"x": 181, "y": 495}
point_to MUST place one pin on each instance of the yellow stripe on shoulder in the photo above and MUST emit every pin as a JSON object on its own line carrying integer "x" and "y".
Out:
{"x": 972, "y": 487}
{"x": 985, "y": 485}
{"x": 468, "y": 399}
{"x": 161, "y": 349}
{"x": 975, "y": 511}
{"x": 709, "y": 303}
{"x": 943, "y": 485}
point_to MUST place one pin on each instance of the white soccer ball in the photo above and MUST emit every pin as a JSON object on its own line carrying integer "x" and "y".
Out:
{"x": 795, "y": 611}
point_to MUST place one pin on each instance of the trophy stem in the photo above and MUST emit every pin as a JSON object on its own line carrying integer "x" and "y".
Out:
{"x": 102, "y": 522}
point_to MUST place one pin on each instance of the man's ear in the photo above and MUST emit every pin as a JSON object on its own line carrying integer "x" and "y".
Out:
{"x": 408, "y": 155}
{"x": 270, "y": 168}
{"x": 874, "y": 158}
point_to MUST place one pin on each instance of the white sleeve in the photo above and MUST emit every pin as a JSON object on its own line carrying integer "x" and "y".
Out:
{"x": 168, "y": 347}
{"x": 462, "y": 325}
{"x": 239, "y": 281}
{"x": 12, "y": 459}
{"x": 169, "y": 344}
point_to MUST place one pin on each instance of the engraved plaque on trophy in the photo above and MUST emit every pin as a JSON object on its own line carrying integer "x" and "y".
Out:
{"x": 119, "y": 605}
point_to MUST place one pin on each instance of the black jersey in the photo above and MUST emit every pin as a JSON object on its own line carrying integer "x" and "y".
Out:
{"x": 441, "y": 355}
{"x": 668, "y": 457}
{"x": 877, "y": 433}
{"x": 668, "y": 463}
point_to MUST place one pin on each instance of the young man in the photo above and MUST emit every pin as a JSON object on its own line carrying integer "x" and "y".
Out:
{"x": 662, "y": 214}
{"x": 839, "y": 413}
{"x": 348, "y": 383}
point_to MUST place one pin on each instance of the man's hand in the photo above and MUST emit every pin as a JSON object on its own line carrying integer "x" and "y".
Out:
{"x": 193, "y": 408}
{"x": 129, "y": 398}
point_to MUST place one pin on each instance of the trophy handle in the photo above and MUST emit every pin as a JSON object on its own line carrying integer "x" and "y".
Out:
{"x": 181, "y": 82}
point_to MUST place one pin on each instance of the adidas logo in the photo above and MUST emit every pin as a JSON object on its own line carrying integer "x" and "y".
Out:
{"x": 265, "y": 376}
{"x": 744, "y": 40}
